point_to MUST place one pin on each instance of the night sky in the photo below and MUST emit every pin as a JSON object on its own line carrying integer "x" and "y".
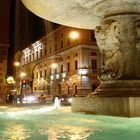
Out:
{"x": 4, "y": 22}
{"x": 19, "y": 28}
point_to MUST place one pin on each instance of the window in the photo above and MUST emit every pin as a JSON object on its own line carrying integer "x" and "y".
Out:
{"x": 61, "y": 44}
{"x": 59, "y": 89}
{"x": 92, "y": 36}
{"x": 55, "y": 70}
{"x": 61, "y": 68}
{"x": 93, "y": 64}
{"x": 68, "y": 67}
{"x": 23, "y": 61}
{"x": 55, "y": 47}
{"x": 45, "y": 51}
{"x": 50, "y": 71}
{"x": 93, "y": 88}
{"x": 76, "y": 65}
{"x": 75, "y": 90}
{"x": 36, "y": 55}
{"x": 55, "y": 38}
{"x": 26, "y": 60}
{"x": 93, "y": 54}
{"x": 68, "y": 42}
{"x": 29, "y": 58}
{"x": 40, "y": 74}
{"x": 67, "y": 90}
{"x": 33, "y": 56}
{"x": 50, "y": 50}
{"x": 45, "y": 73}
{"x": 41, "y": 53}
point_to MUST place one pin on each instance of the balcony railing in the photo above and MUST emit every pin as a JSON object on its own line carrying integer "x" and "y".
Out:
{"x": 65, "y": 75}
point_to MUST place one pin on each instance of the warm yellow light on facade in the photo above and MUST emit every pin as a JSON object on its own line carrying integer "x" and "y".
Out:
{"x": 53, "y": 65}
{"x": 74, "y": 35}
{"x": 22, "y": 74}
{"x": 16, "y": 63}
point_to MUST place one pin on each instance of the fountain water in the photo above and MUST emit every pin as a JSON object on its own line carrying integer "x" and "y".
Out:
{"x": 56, "y": 102}
{"x": 47, "y": 123}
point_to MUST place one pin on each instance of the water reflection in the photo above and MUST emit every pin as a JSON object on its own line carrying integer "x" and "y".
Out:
{"x": 60, "y": 124}
{"x": 16, "y": 132}
{"x": 66, "y": 132}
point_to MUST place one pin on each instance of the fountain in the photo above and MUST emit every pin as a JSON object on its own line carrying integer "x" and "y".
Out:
{"x": 56, "y": 102}
{"x": 117, "y": 30}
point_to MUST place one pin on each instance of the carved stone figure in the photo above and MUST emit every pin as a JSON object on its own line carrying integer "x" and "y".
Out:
{"x": 107, "y": 36}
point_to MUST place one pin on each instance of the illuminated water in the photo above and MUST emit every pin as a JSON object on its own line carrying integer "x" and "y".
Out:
{"x": 33, "y": 123}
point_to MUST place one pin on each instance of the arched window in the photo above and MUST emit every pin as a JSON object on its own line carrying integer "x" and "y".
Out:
{"x": 59, "y": 89}
{"x": 48, "y": 90}
{"x": 93, "y": 88}
{"x": 75, "y": 90}
{"x": 67, "y": 90}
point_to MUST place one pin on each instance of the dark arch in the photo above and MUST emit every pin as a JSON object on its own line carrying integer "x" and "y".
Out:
{"x": 59, "y": 89}
{"x": 94, "y": 87}
{"x": 75, "y": 92}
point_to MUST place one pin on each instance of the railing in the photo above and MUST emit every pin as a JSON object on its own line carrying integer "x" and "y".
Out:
{"x": 65, "y": 75}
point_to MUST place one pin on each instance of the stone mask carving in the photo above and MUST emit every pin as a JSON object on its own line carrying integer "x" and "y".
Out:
{"x": 107, "y": 36}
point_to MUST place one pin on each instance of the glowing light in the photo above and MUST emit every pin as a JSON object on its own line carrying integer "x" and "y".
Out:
{"x": 16, "y": 63}
{"x": 57, "y": 76}
{"x": 10, "y": 80}
{"x": 74, "y": 35}
{"x": 30, "y": 99}
{"x": 53, "y": 65}
{"x": 51, "y": 77}
{"x": 63, "y": 75}
{"x": 82, "y": 71}
{"x": 70, "y": 100}
{"x": 22, "y": 74}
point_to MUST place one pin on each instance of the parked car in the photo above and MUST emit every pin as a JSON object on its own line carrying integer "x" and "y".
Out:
{"x": 43, "y": 98}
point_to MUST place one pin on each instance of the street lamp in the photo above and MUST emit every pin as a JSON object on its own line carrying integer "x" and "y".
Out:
{"x": 22, "y": 74}
{"x": 10, "y": 80}
{"x": 54, "y": 65}
{"x": 16, "y": 64}
{"x": 17, "y": 71}
{"x": 74, "y": 35}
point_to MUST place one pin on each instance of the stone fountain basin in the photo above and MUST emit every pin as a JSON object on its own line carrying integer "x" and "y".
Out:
{"x": 85, "y": 14}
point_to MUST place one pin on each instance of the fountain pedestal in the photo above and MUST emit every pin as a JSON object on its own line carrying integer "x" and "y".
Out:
{"x": 118, "y": 38}
{"x": 117, "y": 30}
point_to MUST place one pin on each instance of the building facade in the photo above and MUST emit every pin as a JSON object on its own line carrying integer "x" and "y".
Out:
{"x": 63, "y": 63}
{"x": 4, "y": 44}
{"x": 3, "y": 71}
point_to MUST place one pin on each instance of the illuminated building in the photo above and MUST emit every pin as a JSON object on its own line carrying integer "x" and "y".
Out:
{"x": 59, "y": 65}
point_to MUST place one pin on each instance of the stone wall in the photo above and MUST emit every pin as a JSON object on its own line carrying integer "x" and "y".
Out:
{"x": 115, "y": 106}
